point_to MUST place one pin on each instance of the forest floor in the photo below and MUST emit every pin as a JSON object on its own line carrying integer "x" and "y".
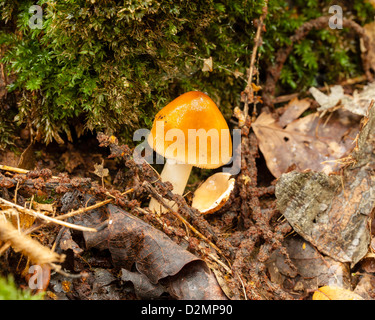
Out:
{"x": 249, "y": 249}
{"x": 297, "y": 225}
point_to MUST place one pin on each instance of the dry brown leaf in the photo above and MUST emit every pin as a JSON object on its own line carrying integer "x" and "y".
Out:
{"x": 370, "y": 32}
{"x": 27, "y": 159}
{"x": 100, "y": 171}
{"x": 312, "y": 269}
{"x": 43, "y": 207}
{"x": 135, "y": 244}
{"x": 72, "y": 159}
{"x": 357, "y": 103}
{"x": 293, "y": 110}
{"x": 335, "y": 293}
{"x": 365, "y": 286}
{"x": 308, "y": 142}
{"x": 328, "y": 101}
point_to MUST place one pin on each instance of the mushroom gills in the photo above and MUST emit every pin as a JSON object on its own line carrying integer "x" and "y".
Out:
{"x": 212, "y": 194}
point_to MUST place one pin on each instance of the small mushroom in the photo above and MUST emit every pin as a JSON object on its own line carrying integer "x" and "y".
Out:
{"x": 213, "y": 193}
{"x": 177, "y": 135}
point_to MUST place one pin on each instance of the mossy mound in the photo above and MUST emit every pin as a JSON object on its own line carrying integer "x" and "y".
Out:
{"x": 111, "y": 65}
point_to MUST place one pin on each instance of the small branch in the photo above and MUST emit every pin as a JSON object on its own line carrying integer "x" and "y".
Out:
{"x": 164, "y": 225}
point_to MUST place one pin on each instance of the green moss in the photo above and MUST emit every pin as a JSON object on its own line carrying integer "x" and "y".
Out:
{"x": 111, "y": 65}
{"x": 9, "y": 291}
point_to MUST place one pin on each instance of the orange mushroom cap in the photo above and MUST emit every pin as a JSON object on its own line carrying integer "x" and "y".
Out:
{"x": 190, "y": 113}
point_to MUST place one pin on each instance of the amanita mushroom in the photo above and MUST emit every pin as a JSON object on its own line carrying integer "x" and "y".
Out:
{"x": 213, "y": 193}
{"x": 189, "y": 131}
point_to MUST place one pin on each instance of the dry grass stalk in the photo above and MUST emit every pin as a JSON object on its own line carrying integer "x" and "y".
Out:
{"x": 31, "y": 248}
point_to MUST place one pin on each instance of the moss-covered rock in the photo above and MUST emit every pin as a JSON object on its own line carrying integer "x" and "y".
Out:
{"x": 111, "y": 65}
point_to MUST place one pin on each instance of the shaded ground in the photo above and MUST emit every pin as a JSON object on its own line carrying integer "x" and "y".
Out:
{"x": 255, "y": 254}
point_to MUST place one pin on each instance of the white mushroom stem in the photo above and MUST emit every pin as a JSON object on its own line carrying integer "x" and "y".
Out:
{"x": 178, "y": 175}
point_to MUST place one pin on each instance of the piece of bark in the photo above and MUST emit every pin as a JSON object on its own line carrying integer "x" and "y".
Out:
{"x": 333, "y": 211}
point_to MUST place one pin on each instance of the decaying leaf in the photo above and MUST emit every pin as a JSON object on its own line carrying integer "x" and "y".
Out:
{"x": 27, "y": 159}
{"x": 333, "y": 211}
{"x": 312, "y": 269}
{"x": 370, "y": 32}
{"x": 328, "y": 101}
{"x": 293, "y": 110}
{"x": 72, "y": 159}
{"x": 357, "y": 103}
{"x": 195, "y": 281}
{"x": 43, "y": 207}
{"x": 135, "y": 244}
{"x": 100, "y": 171}
{"x": 365, "y": 286}
{"x": 143, "y": 288}
{"x": 308, "y": 143}
{"x": 67, "y": 242}
{"x": 335, "y": 293}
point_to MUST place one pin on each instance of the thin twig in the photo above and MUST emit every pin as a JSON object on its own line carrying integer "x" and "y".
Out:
{"x": 94, "y": 206}
{"x": 179, "y": 217}
{"x": 46, "y": 218}
{"x": 12, "y": 169}
{"x": 18, "y": 170}
{"x": 248, "y": 93}
{"x": 58, "y": 269}
{"x": 288, "y": 97}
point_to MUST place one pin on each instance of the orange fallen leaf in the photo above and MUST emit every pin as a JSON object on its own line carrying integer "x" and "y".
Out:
{"x": 335, "y": 293}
